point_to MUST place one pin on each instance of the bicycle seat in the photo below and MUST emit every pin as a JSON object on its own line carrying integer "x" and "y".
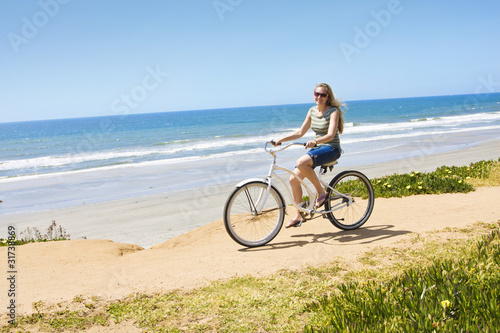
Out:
{"x": 325, "y": 167}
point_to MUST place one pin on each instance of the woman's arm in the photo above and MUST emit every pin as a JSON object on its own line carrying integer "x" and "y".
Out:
{"x": 300, "y": 133}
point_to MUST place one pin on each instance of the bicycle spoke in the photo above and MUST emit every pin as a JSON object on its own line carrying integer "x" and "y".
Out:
{"x": 243, "y": 221}
{"x": 356, "y": 195}
{"x": 250, "y": 201}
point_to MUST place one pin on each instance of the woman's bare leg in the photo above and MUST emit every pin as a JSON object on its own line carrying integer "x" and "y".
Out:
{"x": 304, "y": 164}
{"x": 296, "y": 191}
{"x": 304, "y": 169}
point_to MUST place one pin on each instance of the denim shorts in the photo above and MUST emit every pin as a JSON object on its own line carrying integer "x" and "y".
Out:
{"x": 323, "y": 155}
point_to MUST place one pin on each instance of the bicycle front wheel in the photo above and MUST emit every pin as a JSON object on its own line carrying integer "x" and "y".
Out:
{"x": 246, "y": 222}
{"x": 351, "y": 202}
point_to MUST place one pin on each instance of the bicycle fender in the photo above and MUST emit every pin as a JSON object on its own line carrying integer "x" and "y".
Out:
{"x": 251, "y": 180}
{"x": 261, "y": 180}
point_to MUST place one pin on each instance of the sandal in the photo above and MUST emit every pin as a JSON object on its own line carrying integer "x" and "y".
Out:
{"x": 321, "y": 200}
{"x": 294, "y": 223}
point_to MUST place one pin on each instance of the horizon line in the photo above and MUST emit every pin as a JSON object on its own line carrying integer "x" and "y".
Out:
{"x": 234, "y": 107}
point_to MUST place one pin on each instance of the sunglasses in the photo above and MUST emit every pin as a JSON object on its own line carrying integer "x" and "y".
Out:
{"x": 320, "y": 94}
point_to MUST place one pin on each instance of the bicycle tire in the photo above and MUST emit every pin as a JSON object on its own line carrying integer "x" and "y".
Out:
{"x": 243, "y": 225}
{"x": 358, "y": 200}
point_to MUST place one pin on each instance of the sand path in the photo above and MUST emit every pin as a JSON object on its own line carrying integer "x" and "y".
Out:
{"x": 58, "y": 271}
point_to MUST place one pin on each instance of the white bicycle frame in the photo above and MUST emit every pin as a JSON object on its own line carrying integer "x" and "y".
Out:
{"x": 259, "y": 206}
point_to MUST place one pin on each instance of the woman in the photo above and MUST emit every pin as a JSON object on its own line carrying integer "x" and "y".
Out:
{"x": 327, "y": 122}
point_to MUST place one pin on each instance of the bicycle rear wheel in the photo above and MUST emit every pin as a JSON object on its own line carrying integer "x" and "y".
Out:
{"x": 242, "y": 221}
{"x": 354, "y": 205}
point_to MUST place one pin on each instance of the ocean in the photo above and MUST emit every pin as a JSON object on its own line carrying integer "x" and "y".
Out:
{"x": 58, "y": 163}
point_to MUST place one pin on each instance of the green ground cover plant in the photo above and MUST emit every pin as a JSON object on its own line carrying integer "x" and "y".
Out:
{"x": 444, "y": 180}
{"x": 450, "y": 295}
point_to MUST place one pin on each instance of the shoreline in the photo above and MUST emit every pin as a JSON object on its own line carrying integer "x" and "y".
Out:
{"x": 152, "y": 219}
{"x": 50, "y": 191}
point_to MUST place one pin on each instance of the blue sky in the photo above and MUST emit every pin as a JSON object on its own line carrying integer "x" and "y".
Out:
{"x": 76, "y": 58}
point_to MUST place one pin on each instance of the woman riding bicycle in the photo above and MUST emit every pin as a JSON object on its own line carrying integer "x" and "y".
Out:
{"x": 327, "y": 122}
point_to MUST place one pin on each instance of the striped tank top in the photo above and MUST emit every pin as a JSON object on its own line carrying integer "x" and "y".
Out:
{"x": 320, "y": 126}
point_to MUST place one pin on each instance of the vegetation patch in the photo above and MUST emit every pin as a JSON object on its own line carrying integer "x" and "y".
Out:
{"x": 33, "y": 235}
{"x": 444, "y": 180}
{"x": 458, "y": 294}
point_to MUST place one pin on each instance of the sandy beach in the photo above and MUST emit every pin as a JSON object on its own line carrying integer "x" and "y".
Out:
{"x": 151, "y": 219}
{"x": 58, "y": 271}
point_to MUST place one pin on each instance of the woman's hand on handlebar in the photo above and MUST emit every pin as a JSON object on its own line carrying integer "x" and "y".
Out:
{"x": 276, "y": 143}
{"x": 311, "y": 144}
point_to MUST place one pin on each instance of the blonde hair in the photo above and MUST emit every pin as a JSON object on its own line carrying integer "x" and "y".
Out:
{"x": 336, "y": 103}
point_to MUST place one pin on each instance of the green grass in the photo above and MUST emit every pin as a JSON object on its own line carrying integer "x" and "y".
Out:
{"x": 460, "y": 294}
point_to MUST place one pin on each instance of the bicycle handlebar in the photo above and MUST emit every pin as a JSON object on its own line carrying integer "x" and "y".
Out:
{"x": 282, "y": 147}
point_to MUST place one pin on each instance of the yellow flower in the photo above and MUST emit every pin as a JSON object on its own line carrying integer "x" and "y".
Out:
{"x": 460, "y": 181}
{"x": 408, "y": 187}
{"x": 445, "y": 304}
{"x": 420, "y": 187}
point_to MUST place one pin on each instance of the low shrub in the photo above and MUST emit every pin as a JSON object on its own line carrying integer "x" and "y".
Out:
{"x": 33, "y": 235}
{"x": 444, "y": 180}
{"x": 460, "y": 295}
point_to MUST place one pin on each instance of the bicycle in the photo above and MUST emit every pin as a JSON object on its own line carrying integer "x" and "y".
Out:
{"x": 254, "y": 212}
